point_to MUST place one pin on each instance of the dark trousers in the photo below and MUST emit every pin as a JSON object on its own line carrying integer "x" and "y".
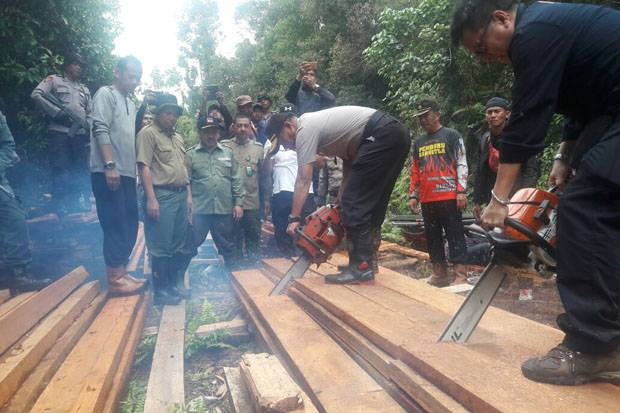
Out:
{"x": 68, "y": 159}
{"x": 380, "y": 159}
{"x": 443, "y": 216}
{"x": 221, "y": 228}
{"x": 588, "y": 249}
{"x": 248, "y": 229}
{"x": 118, "y": 216}
{"x": 281, "y": 205}
{"x": 14, "y": 240}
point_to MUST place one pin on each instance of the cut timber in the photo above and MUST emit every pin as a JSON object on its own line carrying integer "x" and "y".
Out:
{"x": 14, "y": 302}
{"x": 21, "y": 359}
{"x": 389, "y": 246}
{"x": 4, "y": 295}
{"x": 23, "y": 400}
{"x": 239, "y": 396}
{"x": 124, "y": 368}
{"x": 146, "y": 266}
{"x": 408, "y": 329}
{"x": 334, "y": 382}
{"x": 137, "y": 251}
{"x": 271, "y": 388}
{"x": 23, "y": 317}
{"x": 166, "y": 390}
{"x": 84, "y": 379}
{"x": 458, "y": 288}
{"x": 235, "y": 326}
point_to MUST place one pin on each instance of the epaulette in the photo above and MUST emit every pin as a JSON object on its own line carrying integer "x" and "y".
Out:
{"x": 192, "y": 148}
{"x": 226, "y": 142}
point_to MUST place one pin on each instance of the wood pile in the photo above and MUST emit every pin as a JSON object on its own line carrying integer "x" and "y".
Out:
{"x": 67, "y": 347}
{"x": 374, "y": 348}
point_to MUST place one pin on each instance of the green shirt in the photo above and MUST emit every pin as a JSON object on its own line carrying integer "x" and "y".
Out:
{"x": 164, "y": 155}
{"x": 249, "y": 157}
{"x": 8, "y": 157}
{"x": 216, "y": 180}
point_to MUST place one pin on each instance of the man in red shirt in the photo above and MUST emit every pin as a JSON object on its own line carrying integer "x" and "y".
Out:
{"x": 438, "y": 183}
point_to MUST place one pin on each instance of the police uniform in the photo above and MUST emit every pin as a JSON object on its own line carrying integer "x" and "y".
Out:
{"x": 249, "y": 158}
{"x": 217, "y": 187}
{"x": 68, "y": 155}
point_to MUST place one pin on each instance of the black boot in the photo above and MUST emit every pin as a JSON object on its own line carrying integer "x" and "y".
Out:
{"x": 161, "y": 293}
{"x": 359, "y": 270}
{"x": 22, "y": 281}
{"x": 178, "y": 266}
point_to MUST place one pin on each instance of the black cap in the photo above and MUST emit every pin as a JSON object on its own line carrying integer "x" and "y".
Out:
{"x": 71, "y": 58}
{"x": 205, "y": 122}
{"x": 167, "y": 100}
{"x": 425, "y": 106}
{"x": 288, "y": 108}
{"x": 497, "y": 102}
{"x": 258, "y": 106}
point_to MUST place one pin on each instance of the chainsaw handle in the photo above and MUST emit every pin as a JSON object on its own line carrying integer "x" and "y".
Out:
{"x": 533, "y": 236}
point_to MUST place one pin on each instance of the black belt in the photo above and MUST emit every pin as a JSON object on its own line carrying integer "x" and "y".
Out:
{"x": 377, "y": 119}
{"x": 172, "y": 188}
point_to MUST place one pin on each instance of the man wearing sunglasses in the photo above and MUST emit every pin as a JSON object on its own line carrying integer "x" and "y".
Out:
{"x": 566, "y": 59}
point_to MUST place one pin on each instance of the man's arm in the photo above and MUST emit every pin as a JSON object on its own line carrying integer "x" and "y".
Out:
{"x": 46, "y": 86}
{"x": 8, "y": 156}
{"x": 152, "y": 205}
{"x": 293, "y": 89}
{"x": 238, "y": 191}
{"x": 102, "y": 117}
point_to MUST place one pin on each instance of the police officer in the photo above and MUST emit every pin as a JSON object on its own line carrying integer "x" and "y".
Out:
{"x": 162, "y": 163}
{"x": 14, "y": 240}
{"x": 217, "y": 189}
{"x": 248, "y": 155}
{"x": 566, "y": 59}
{"x": 67, "y": 142}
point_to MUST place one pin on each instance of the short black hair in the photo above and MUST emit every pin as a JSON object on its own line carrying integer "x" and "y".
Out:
{"x": 123, "y": 62}
{"x": 276, "y": 122}
{"x": 242, "y": 116}
{"x": 473, "y": 15}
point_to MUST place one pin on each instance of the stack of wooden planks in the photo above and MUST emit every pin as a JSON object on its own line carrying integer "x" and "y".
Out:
{"x": 374, "y": 348}
{"x": 66, "y": 347}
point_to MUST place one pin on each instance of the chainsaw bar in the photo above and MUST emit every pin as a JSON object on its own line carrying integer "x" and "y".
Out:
{"x": 297, "y": 270}
{"x": 464, "y": 322}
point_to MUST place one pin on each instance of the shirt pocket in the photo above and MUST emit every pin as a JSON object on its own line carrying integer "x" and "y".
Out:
{"x": 165, "y": 154}
{"x": 224, "y": 165}
{"x": 63, "y": 93}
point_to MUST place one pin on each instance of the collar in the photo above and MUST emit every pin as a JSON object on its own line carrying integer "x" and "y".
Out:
{"x": 202, "y": 148}
{"x": 160, "y": 130}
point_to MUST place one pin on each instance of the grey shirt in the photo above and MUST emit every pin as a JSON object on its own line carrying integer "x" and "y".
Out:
{"x": 332, "y": 132}
{"x": 114, "y": 123}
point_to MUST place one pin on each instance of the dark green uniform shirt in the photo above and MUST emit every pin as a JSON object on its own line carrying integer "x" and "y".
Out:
{"x": 216, "y": 180}
{"x": 249, "y": 158}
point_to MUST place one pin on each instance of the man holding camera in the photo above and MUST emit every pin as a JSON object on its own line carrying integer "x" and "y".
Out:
{"x": 306, "y": 94}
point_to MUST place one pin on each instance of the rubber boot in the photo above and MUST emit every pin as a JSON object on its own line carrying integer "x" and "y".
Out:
{"x": 21, "y": 280}
{"x": 118, "y": 285}
{"x": 161, "y": 294}
{"x": 359, "y": 270}
{"x": 349, "y": 245}
{"x": 376, "y": 243}
{"x": 178, "y": 266}
{"x": 440, "y": 277}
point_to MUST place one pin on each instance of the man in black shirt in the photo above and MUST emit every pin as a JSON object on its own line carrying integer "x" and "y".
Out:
{"x": 566, "y": 59}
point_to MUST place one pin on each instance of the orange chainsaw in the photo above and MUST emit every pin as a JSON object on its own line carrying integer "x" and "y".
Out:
{"x": 531, "y": 225}
{"x": 319, "y": 237}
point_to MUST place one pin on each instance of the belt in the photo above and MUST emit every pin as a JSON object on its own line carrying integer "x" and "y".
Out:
{"x": 172, "y": 188}
{"x": 377, "y": 119}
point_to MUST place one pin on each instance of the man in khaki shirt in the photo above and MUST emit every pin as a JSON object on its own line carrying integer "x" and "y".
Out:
{"x": 248, "y": 156}
{"x": 162, "y": 164}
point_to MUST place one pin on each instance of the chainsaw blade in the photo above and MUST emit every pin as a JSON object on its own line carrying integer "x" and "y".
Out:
{"x": 297, "y": 270}
{"x": 465, "y": 320}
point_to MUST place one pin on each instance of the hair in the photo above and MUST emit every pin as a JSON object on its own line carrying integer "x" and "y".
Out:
{"x": 473, "y": 15}
{"x": 123, "y": 62}
{"x": 242, "y": 116}
{"x": 276, "y": 122}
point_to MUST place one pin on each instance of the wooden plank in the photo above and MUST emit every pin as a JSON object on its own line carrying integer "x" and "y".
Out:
{"x": 81, "y": 383}
{"x": 138, "y": 249}
{"x": 271, "y": 389}
{"x": 166, "y": 390}
{"x": 235, "y": 326}
{"x": 471, "y": 373}
{"x": 391, "y": 247}
{"x": 17, "y": 363}
{"x": 4, "y": 295}
{"x": 146, "y": 268}
{"x": 23, "y": 400}
{"x": 238, "y": 393}
{"x": 126, "y": 363}
{"x": 458, "y": 288}
{"x": 23, "y": 317}
{"x": 14, "y": 302}
{"x": 332, "y": 379}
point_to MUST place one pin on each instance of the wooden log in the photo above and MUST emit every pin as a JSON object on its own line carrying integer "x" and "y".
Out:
{"x": 120, "y": 379}
{"x": 166, "y": 390}
{"x": 23, "y": 317}
{"x": 331, "y": 378}
{"x": 83, "y": 380}
{"x": 271, "y": 389}
{"x": 17, "y": 363}
{"x": 239, "y": 396}
{"x": 235, "y": 326}
{"x": 391, "y": 247}
{"x": 471, "y": 373}
{"x": 23, "y": 400}
{"x": 14, "y": 302}
{"x": 4, "y": 295}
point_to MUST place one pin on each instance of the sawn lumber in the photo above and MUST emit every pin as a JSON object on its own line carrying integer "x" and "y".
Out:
{"x": 4, "y": 295}
{"x": 238, "y": 393}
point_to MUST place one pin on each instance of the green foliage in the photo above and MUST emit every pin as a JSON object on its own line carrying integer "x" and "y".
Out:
{"x": 136, "y": 395}
{"x": 194, "y": 344}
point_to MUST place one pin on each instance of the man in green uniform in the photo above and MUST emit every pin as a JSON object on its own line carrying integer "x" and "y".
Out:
{"x": 248, "y": 155}
{"x": 162, "y": 163}
{"x": 217, "y": 189}
{"x": 14, "y": 241}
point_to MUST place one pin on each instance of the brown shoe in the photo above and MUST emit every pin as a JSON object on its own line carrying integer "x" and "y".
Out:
{"x": 440, "y": 277}
{"x": 119, "y": 285}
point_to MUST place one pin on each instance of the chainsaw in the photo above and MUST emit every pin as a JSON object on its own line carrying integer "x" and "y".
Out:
{"x": 318, "y": 238}
{"x": 530, "y": 228}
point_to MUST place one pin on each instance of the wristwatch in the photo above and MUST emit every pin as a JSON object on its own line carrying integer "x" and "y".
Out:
{"x": 560, "y": 157}
{"x": 293, "y": 218}
{"x": 110, "y": 165}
